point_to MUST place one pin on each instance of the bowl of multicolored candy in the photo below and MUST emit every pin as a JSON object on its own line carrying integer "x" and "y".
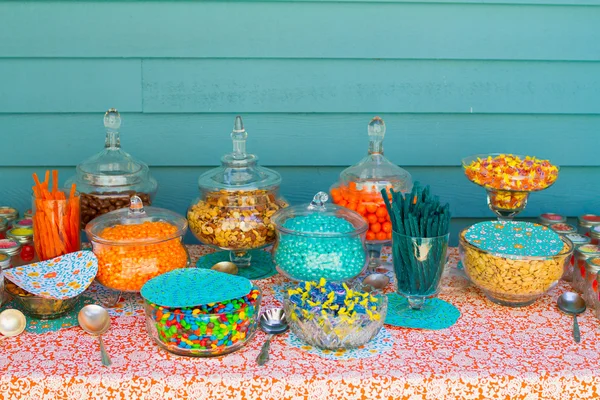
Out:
{"x": 204, "y": 330}
{"x": 331, "y": 315}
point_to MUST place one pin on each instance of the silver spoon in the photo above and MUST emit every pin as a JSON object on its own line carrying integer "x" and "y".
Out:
{"x": 377, "y": 281}
{"x": 572, "y": 304}
{"x": 272, "y": 322}
{"x": 226, "y": 266}
{"x": 95, "y": 320}
{"x": 12, "y": 322}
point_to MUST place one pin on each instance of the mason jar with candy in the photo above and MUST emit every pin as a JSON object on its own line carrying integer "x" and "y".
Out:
{"x": 234, "y": 210}
{"x": 136, "y": 244}
{"x": 107, "y": 180}
{"x": 359, "y": 189}
{"x": 586, "y": 222}
{"x": 10, "y": 214}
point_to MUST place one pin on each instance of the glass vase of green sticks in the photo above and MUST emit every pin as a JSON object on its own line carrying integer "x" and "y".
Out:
{"x": 419, "y": 243}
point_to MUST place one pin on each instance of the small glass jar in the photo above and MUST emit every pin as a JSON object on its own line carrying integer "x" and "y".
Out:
{"x": 582, "y": 254}
{"x": 563, "y": 229}
{"x": 26, "y": 254}
{"x": 4, "y": 263}
{"x": 28, "y": 214}
{"x": 590, "y": 290}
{"x": 578, "y": 241}
{"x": 108, "y": 180}
{"x": 595, "y": 234}
{"x": 548, "y": 219}
{"x": 9, "y": 213}
{"x": 26, "y": 223}
{"x": 3, "y": 227}
{"x": 320, "y": 240}
{"x": 586, "y": 222}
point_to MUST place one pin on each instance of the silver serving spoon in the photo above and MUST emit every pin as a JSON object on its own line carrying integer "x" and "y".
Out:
{"x": 377, "y": 281}
{"x": 272, "y": 322}
{"x": 95, "y": 320}
{"x": 226, "y": 266}
{"x": 12, "y": 322}
{"x": 572, "y": 304}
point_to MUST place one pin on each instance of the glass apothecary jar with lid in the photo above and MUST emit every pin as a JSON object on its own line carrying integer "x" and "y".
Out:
{"x": 108, "y": 179}
{"x": 359, "y": 189}
{"x": 233, "y": 213}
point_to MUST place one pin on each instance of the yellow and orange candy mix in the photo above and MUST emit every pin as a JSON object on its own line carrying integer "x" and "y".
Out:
{"x": 129, "y": 267}
{"x": 368, "y": 203}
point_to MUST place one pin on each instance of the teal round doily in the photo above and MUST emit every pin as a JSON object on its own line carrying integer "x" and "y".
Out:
{"x": 436, "y": 314}
{"x": 262, "y": 266}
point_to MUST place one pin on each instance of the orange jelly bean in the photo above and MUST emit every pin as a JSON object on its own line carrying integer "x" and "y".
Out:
{"x": 127, "y": 267}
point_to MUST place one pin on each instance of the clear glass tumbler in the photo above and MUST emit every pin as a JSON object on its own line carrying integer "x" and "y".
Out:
{"x": 419, "y": 265}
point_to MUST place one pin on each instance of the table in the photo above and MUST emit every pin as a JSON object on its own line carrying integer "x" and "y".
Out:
{"x": 491, "y": 352}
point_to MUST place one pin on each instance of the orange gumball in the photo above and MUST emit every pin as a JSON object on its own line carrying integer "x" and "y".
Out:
{"x": 372, "y": 219}
{"x": 372, "y": 208}
{"x": 376, "y": 227}
{"x": 352, "y": 206}
{"x": 370, "y": 235}
{"x": 342, "y": 203}
{"x": 381, "y": 220}
{"x": 386, "y": 227}
{"x": 381, "y": 236}
{"x": 381, "y": 212}
{"x": 361, "y": 209}
{"x": 389, "y": 235}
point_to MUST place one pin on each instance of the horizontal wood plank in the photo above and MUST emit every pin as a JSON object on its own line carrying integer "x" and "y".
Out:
{"x": 576, "y": 191}
{"x": 46, "y": 85}
{"x": 300, "y": 139}
{"x": 440, "y": 29}
{"x": 416, "y": 86}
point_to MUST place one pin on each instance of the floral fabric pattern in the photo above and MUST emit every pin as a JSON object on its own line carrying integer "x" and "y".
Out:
{"x": 491, "y": 352}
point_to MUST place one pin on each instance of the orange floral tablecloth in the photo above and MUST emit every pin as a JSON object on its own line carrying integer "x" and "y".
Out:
{"x": 491, "y": 352}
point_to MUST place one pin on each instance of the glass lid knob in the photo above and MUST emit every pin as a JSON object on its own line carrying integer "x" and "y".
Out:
{"x": 376, "y": 134}
{"x": 136, "y": 208}
{"x": 112, "y": 123}
{"x": 239, "y": 136}
{"x": 318, "y": 202}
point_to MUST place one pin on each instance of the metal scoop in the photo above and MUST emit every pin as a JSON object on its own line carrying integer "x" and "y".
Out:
{"x": 272, "y": 322}
{"x": 572, "y": 304}
{"x": 95, "y": 320}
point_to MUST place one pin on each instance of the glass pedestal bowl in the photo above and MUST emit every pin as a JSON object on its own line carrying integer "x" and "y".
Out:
{"x": 509, "y": 179}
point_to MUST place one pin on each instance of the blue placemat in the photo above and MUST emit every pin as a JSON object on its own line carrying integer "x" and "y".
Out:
{"x": 516, "y": 238}
{"x": 262, "y": 266}
{"x": 68, "y": 320}
{"x": 435, "y": 314}
{"x": 381, "y": 343}
{"x": 188, "y": 287}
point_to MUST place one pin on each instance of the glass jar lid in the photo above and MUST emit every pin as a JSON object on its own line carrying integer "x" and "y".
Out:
{"x": 593, "y": 265}
{"x": 9, "y": 246}
{"x": 589, "y": 220}
{"x": 9, "y": 213}
{"x": 136, "y": 214}
{"x": 320, "y": 219}
{"x": 3, "y": 223}
{"x": 239, "y": 170}
{"x": 595, "y": 232}
{"x": 4, "y": 260}
{"x": 112, "y": 167}
{"x": 21, "y": 235}
{"x": 375, "y": 172}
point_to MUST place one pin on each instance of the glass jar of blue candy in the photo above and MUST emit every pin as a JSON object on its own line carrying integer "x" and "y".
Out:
{"x": 320, "y": 240}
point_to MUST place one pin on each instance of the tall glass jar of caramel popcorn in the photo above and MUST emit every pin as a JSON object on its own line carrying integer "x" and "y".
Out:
{"x": 236, "y": 203}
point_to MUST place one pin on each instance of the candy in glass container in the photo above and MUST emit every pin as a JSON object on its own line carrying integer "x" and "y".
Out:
{"x": 320, "y": 241}
{"x": 136, "y": 244}
{"x": 237, "y": 201}
{"x": 107, "y": 180}
{"x": 360, "y": 185}
{"x": 509, "y": 179}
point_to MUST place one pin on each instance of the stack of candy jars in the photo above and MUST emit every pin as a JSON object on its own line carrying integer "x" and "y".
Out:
{"x": 107, "y": 180}
{"x": 136, "y": 244}
{"x": 233, "y": 213}
{"x": 320, "y": 241}
{"x": 360, "y": 185}
{"x": 509, "y": 179}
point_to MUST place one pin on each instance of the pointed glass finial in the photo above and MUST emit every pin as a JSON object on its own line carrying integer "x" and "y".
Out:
{"x": 318, "y": 202}
{"x": 112, "y": 123}
{"x": 376, "y": 134}
{"x": 239, "y": 136}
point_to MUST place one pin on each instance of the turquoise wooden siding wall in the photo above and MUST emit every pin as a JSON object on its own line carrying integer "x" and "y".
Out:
{"x": 450, "y": 78}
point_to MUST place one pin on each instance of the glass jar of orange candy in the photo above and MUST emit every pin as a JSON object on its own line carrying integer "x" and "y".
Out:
{"x": 135, "y": 245}
{"x": 360, "y": 186}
